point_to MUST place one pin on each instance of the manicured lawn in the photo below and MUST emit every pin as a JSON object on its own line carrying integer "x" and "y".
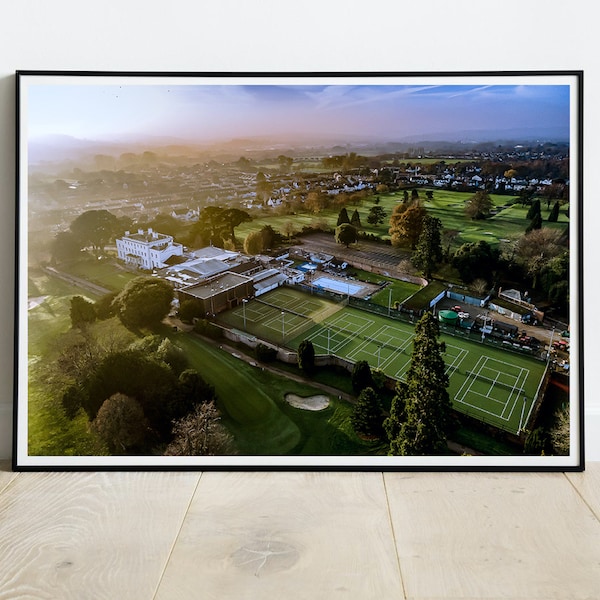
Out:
{"x": 447, "y": 205}
{"x": 255, "y": 411}
{"x": 106, "y": 273}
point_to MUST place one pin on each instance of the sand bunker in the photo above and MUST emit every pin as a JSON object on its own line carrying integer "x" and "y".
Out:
{"x": 308, "y": 403}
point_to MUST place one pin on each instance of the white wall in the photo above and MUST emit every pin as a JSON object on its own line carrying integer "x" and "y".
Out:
{"x": 312, "y": 35}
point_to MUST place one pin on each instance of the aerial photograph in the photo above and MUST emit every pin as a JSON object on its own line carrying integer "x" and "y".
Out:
{"x": 306, "y": 271}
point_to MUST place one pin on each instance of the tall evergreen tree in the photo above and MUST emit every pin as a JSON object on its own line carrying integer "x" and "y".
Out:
{"x": 367, "y": 417}
{"x": 343, "y": 216}
{"x": 553, "y": 216}
{"x": 535, "y": 209}
{"x": 421, "y": 413}
{"x": 306, "y": 356}
{"x": 428, "y": 252}
{"x": 361, "y": 376}
{"x": 376, "y": 215}
{"x": 535, "y": 223}
{"x": 355, "y": 220}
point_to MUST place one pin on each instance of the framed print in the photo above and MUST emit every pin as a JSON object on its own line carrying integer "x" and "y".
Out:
{"x": 344, "y": 271}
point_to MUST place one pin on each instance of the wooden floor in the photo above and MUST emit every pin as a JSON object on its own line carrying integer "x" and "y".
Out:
{"x": 287, "y": 536}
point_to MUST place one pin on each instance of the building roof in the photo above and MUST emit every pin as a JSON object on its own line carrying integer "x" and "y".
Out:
{"x": 210, "y": 252}
{"x": 217, "y": 285}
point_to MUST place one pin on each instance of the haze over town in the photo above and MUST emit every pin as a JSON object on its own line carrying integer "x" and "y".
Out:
{"x": 299, "y": 113}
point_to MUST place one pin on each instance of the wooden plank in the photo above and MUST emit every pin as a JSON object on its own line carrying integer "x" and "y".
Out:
{"x": 285, "y": 535}
{"x": 483, "y": 536}
{"x": 89, "y": 535}
{"x": 587, "y": 485}
{"x": 6, "y": 474}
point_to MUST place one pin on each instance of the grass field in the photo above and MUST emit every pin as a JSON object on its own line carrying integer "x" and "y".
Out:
{"x": 447, "y": 205}
{"x": 486, "y": 382}
{"x": 256, "y": 413}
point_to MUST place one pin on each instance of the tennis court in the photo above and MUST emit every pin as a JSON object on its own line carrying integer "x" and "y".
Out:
{"x": 489, "y": 384}
{"x": 280, "y": 315}
{"x": 486, "y": 382}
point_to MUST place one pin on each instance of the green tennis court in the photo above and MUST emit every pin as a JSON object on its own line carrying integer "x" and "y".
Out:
{"x": 280, "y": 315}
{"x": 486, "y": 382}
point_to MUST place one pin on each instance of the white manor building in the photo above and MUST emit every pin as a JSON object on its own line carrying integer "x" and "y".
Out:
{"x": 147, "y": 249}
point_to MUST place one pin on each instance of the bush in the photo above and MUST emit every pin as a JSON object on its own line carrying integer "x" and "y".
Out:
{"x": 205, "y": 327}
{"x": 265, "y": 353}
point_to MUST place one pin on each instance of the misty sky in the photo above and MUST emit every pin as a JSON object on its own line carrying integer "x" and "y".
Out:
{"x": 210, "y": 112}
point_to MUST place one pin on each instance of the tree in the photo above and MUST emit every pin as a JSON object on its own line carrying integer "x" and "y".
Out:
{"x": 536, "y": 222}
{"x": 210, "y": 227}
{"x": 560, "y": 434}
{"x": 534, "y": 210}
{"x": 421, "y": 415}
{"x": 476, "y": 260}
{"x": 343, "y": 216}
{"x": 82, "y": 311}
{"x": 65, "y": 247}
{"x": 232, "y": 217}
{"x": 428, "y": 252}
{"x": 553, "y": 216}
{"x": 130, "y": 372}
{"x": 105, "y": 308}
{"x": 270, "y": 236}
{"x": 479, "y": 205}
{"x": 346, "y": 234}
{"x": 367, "y": 416}
{"x": 355, "y": 220}
{"x": 285, "y": 163}
{"x": 306, "y": 356}
{"x": 263, "y": 187}
{"x": 254, "y": 243}
{"x": 144, "y": 302}
{"x": 94, "y": 228}
{"x": 537, "y": 442}
{"x": 376, "y": 215}
{"x": 406, "y": 224}
{"x": 288, "y": 229}
{"x": 200, "y": 433}
{"x": 535, "y": 249}
{"x": 316, "y": 201}
{"x": 120, "y": 424}
{"x": 361, "y": 376}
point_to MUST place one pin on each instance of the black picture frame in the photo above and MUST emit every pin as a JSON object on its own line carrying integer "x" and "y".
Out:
{"x": 116, "y": 142}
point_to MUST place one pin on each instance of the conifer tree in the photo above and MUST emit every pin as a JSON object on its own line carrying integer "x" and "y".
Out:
{"x": 553, "y": 216}
{"x": 343, "y": 216}
{"x": 428, "y": 252}
{"x": 367, "y": 417}
{"x": 421, "y": 413}
{"x": 355, "y": 220}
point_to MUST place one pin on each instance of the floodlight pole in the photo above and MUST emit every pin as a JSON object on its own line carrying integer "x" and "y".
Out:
{"x": 378, "y": 355}
{"x": 282, "y": 327}
{"x": 390, "y": 302}
{"x": 244, "y": 302}
{"x": 522, "y": 414}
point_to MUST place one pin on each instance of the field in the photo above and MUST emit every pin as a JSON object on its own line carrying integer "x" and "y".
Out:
{"x": 262, "y": 422}
{"x": 486, "y": 382}
{"x": 447, "y": 205}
